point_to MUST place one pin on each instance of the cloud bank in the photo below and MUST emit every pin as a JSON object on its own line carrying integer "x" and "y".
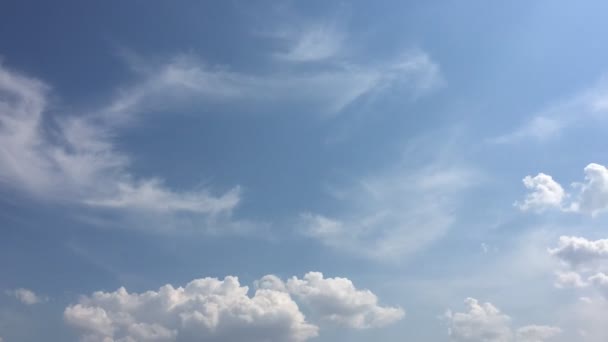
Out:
{"x": 222, "y": 310}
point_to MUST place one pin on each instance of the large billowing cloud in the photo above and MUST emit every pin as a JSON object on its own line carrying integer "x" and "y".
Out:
{"x": 545, "y": 193}
{"x": 589, "y": 197}
{"x": 210, "y": 309}
{"x": 337, "y": 300}
{"x": 483, "y": 322}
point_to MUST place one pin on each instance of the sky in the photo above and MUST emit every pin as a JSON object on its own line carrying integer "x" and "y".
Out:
{"x": 293, "y": 171}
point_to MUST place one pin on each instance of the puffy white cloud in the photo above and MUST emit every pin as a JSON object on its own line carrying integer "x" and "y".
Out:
{"x": 589, "y": 197}
{"x": 593, "y": 195}
{"x": 483, "y": 322}
{"x": 26, "y": 296}
{"x": 545, "y": 193}
{"x": 205, "y": 309}
{"x": 222, "y": 310}
{"x": 339, "y": 301}
{"x": 569, "y": 279}
{"x": 578, "y": 251}
{"x": 537, "y": 333}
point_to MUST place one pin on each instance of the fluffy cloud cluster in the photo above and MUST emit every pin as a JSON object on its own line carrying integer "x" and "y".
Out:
{"x": 483, "y": 322}
{"x": 586, "y": 262}
{"x": 222, "y": 310}
{"x": 589, "y": 197}
{"x": 26, "y": 296}
{"x": 337, "y": 300}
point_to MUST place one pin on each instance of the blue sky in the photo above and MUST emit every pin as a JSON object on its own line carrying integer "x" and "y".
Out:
{"x": 303, "y": 171}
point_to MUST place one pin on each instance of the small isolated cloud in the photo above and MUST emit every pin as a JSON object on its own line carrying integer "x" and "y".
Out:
{"x": 223, "y": 311}
{"x": 27, "y": 297}
{"x": 311, "y": 43}
{"x": 483, "y": 322}
{"x": 587, "y": 197}
{"x": 545, "y": 193}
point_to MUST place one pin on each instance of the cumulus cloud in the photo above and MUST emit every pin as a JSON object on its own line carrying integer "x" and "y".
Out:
{"x": 222, "y": 310}
{"x": 393, "y": 214}
{"x": 76, "y": 160}
{"x": 585, "y": 261}
{"x": 593, "y": 192}
{"x": 26, "y": 296}
{"x": 483, "y": 322}
{"x": 209, "y": 309}
{"x": 580, "y": 252}
{"x": 545, "y": 193}
{"x": 588, "y": 197}
{"x": 337, "y": 300}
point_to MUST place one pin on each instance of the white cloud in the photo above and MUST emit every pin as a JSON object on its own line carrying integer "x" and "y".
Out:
{"x": 222, "y": 310}
{"x": 205, "y": 309}
{"x": 537, "y": 333}
{"x": 330, "y": 89}
{"x": 312, "y": 43}
{"x": 569, "y": 279}
{"x": 580, "y": 252}
{"x": 483, "y": 322}
{"x": 586, "y": 262}
{"x": 393, "y": 214}
{"x": 593, "y": 193}
{"x": 26, "y": 296}
{"x": 77, "y": 161}
{"x": 339, "y": 301}
{"x": 590, "y": 104}
{"x": 589, "y": 197}
{"x": 545, "y": 193}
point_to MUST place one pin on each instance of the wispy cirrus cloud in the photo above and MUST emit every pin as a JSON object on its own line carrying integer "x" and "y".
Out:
{"x": 394, "y": 214}
{"x": 75, "y": 160}
{"x": 326, "y": 89}
{"x": 590, "y": 104}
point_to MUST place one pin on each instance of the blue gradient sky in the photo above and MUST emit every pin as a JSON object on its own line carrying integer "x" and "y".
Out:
{"x": 145, "y": 143}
